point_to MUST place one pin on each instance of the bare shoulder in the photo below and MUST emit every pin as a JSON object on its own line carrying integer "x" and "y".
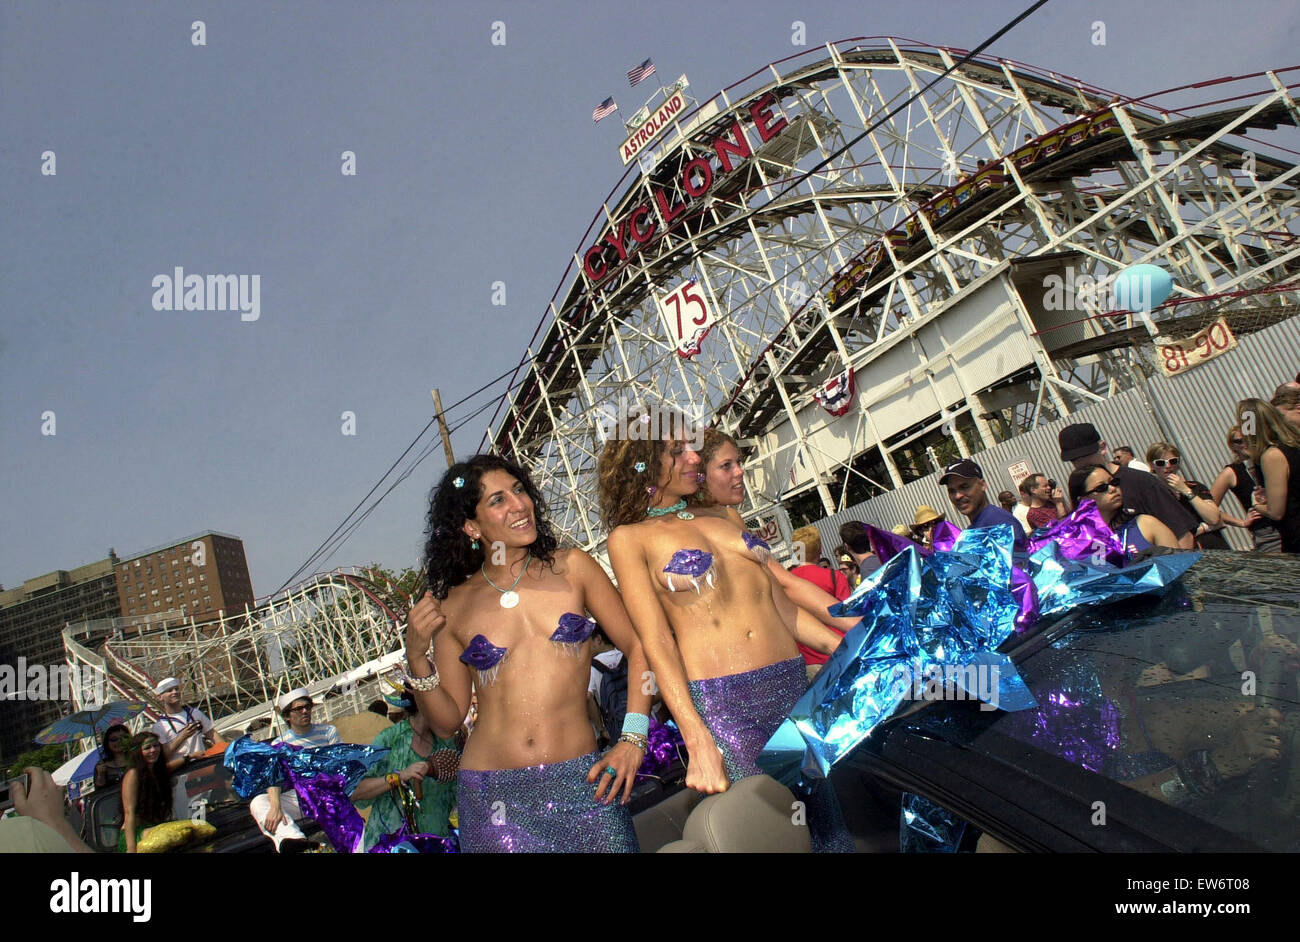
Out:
{"x": 569, "y": 561}
{"x": 624, "y": 537}
{"x": 456, "y": 600}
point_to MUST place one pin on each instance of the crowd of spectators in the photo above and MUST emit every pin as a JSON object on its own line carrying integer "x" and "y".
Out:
{"x": 1153, "y": 503}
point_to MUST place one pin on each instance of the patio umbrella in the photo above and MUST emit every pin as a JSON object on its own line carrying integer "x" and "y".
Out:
{"x": 77, "y": 772}
{"x": 85, "y": 723}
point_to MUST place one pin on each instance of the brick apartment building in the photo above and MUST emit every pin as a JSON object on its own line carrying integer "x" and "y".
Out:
{"x": 195, "y": 577}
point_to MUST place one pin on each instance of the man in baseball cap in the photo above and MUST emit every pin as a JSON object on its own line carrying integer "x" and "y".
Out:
{"x": 969, "y": 494}
{"x": 1144, "y": 493}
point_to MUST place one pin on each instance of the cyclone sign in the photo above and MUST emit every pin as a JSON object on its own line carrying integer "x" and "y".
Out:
{"x": 698, "y": 177}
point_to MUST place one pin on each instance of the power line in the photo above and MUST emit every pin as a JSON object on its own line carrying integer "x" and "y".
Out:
{"x": 337, "y": 538}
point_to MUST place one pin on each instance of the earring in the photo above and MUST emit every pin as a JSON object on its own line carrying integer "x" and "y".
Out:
{"x": 473, "y": 544}
{"x": 651, "y": 490}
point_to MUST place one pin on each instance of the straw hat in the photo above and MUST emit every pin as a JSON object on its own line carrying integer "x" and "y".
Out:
{"x": 925, "y": 514}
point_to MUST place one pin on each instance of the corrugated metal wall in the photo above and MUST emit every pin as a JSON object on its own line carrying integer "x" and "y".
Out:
{"x": 1197, "y": 406}
{"x": 1195, "y": 409}
{"x": 1121, "y": 420}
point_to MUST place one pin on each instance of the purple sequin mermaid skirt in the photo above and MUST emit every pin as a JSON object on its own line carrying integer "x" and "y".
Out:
{"x": 538, "y": 810}
{"x": 743, "y": 711}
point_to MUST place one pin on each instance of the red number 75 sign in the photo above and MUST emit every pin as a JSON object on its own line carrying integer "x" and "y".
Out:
{"x": 686, "y": 312}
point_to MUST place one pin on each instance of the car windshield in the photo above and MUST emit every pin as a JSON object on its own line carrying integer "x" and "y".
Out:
{"x": 1190, "y": 699}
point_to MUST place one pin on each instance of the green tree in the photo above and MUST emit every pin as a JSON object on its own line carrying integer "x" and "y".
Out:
{"x": 48, "y": 758}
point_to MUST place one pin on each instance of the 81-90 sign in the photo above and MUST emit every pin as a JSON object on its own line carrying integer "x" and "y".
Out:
{"x": 1179, "y": 356}
{"x": 686, "y": 312}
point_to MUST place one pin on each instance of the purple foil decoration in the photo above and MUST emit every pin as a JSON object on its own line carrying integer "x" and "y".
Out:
{"x": 663, "y": 749}
{"x": 324, "y": 797}
{"x": 485, "y": 657}
{"x": 692, "y": 564}
{"x": 574, "y": 630}
{"x": 1083, "y": 535}
{"x": 945, "y": 535}
{"x": 401, "y": 842}
{"x": 757, "y": 546}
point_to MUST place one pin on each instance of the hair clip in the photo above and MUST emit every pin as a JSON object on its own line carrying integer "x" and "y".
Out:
{"x": 640, "y": 467}
{"x": 459, "y": 482}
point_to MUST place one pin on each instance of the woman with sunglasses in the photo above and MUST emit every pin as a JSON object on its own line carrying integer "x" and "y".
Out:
{"x": 1142, "y": 532}
{"x": 115, "y": 759}
{"x": 1166, "y": 464}
{"x": 1246, "y": 482}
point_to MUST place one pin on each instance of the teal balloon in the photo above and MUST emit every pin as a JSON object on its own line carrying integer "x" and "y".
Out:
{"x": 1142, "y": 287}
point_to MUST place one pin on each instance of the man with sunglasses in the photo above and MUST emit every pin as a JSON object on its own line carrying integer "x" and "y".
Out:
{"x": 1082, "y": 446}
{"x": 276, "y": 811}
{"x": 1125, "y": 458}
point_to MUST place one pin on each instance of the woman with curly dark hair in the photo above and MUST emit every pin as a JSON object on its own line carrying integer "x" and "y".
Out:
{"x": 146, "y": 791}
{"x": 719, "y": 638}
{"x": 505, "y": 620}
{"x": 722, "y": 484}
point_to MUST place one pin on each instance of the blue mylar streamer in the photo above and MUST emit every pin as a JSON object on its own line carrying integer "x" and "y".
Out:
{"x": 258, "y": 766}
{"x": 931, "y": 616}
{"x": 1064, "y": 584}
{"x": 940, "y": 615}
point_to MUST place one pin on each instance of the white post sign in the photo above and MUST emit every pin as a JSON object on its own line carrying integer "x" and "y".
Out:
{"x": 688, "y": 317}
{"x": 1019, "y": 471}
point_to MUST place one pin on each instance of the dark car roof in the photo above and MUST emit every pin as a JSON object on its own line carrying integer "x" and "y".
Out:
{"x": 1125, "y": 693}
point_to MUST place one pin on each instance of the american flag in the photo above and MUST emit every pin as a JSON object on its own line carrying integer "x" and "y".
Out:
{"x": 604, "y": 109}
{"x": 642, "y": 71}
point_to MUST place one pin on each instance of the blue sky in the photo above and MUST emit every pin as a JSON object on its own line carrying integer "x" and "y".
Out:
{"x": 475, "y": 164}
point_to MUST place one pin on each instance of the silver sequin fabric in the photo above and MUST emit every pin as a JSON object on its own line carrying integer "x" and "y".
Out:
{"x": 742, "y": 712}
{"x": 543, "y": 809}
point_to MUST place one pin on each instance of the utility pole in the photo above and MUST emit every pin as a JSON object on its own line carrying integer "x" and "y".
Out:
{"x": 442, "y": 427}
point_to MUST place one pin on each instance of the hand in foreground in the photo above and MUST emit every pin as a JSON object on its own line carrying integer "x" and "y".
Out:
{"x": 423, "y": 621}
{"x": 624, "y": 758}
{"x": 43, "y": 800}
{"x": 706, "y": 772}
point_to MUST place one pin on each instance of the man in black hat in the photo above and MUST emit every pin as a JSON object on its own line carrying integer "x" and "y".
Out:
{"x": 969, "y": 494}
{"x": 1144, "y": 493}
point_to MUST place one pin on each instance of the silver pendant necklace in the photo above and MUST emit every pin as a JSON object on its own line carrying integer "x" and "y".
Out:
{"x": 509, "y": 597}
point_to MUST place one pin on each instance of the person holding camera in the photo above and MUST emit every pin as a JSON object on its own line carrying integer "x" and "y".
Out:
{"x": 185, "y": 733}
{"x": 1046, "y": 501}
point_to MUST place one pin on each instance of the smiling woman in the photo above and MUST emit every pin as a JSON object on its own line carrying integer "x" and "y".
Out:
{"x": 506, "y": 620}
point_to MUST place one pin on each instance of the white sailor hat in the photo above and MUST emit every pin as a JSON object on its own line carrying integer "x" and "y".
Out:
{"x": 167, "y": 683}
{"x": 299, "y": 694}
